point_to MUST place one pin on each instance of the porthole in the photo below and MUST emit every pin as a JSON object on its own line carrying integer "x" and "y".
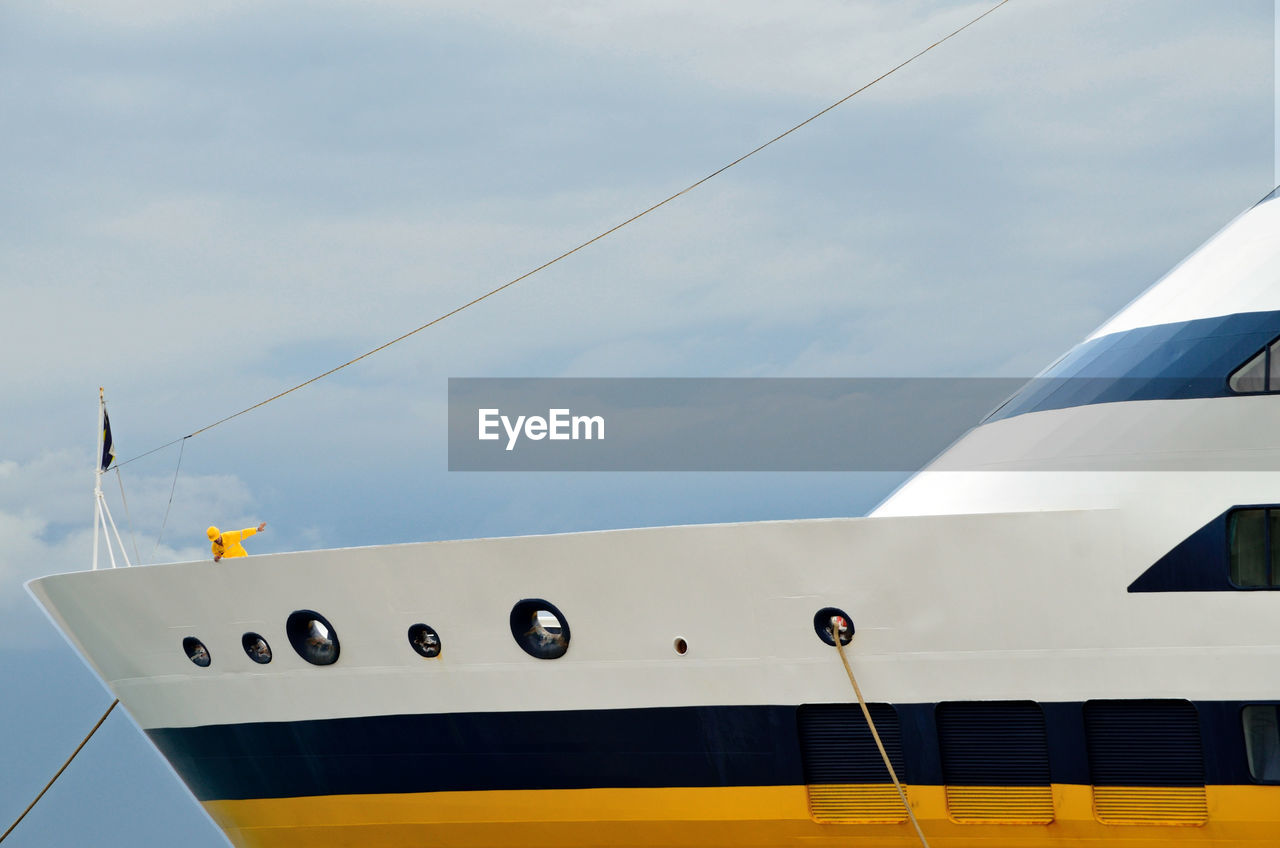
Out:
{"x": 681, "y": 646}
{"x": 425, "y": 640}
{"x": 822, "y": 625}
{"x": 256, "y": 648}
{"x": 540, "y": 629}
{"x": 313, "y": 637}
{"x": 196, "y": 651}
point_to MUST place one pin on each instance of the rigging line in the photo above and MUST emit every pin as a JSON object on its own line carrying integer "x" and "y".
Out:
{"x": 127, "y": 517}
{"x": 172, "y": 489}
{"x": 153, "y": 450}
{"x": 60, "y": 771}
{"x": 591, "y": 241}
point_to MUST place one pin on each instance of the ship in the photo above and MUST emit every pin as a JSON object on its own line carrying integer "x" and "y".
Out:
{"x": 1065, "y": 630}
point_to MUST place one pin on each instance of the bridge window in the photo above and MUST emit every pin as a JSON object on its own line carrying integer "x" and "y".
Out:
{"x": 1260, "y": 374}
{"x": 1262, "y": 741}
{"x": 1253, "y": 538}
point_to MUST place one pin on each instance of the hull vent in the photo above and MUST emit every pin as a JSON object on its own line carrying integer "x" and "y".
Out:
{"x": 846, "y": 777}
{"x": 995, "y": 761}
{"x": 1146, "y": 762}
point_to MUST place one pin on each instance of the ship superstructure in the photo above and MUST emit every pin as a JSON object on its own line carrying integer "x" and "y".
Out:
{"x": 1066, "y": 627}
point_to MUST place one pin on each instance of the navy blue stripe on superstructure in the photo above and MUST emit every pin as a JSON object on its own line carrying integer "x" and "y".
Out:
{"x": 1198, "y": 563}
{"x": 1186, "y": 359}
{"x": 659, "y": 747}
{"x": 1202, "y": 561}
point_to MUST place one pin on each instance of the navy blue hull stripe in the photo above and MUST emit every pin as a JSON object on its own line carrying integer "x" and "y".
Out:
{"x": 678, "y": 746}
{"x": 1187, "y": 359}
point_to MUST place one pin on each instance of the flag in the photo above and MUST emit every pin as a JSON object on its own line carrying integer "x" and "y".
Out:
{"x": 108, "y": 449}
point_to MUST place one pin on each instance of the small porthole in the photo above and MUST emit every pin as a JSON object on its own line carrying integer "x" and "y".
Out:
{"x": 196, "y": 651}
{"x": 313, "y": 637}
{"x": 256, "y": 648}
{"x": 425, "y": 640}
{"x": 540, "y": 629}
{"x": 822, "y": 625}
{"x": 681, "y": 646}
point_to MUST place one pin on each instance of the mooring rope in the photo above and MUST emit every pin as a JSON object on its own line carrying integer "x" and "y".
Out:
{"x": 837, "y": 627}
{"x": 83, "y": 742}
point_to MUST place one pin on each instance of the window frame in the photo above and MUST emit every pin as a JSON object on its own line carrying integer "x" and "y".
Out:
{"x": 1267, "y": 387}
{"x": 1267, "y": 509}
{"x": 1244, "y": 738}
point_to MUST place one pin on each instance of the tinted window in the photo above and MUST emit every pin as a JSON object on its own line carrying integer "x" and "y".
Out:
{"x": 1262, "y": 741}
{"x": 1253, "y": 539}
{"x": 1250, "y": 377}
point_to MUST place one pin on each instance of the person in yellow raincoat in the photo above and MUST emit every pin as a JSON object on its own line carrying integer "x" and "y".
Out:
{"x": 228, "y": 544}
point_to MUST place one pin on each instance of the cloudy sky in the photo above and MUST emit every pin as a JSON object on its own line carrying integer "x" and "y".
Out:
{"x": 205, "y": 204}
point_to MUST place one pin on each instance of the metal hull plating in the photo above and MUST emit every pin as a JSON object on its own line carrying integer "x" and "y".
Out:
{"x": 623, "y": 741}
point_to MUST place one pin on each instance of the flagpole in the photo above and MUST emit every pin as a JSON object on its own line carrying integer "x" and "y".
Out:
{"x": 106, "y": 455}
{"x": 97, "y": 478}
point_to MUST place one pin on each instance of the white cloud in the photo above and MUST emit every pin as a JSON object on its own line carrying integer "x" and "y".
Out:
{"x": 46, "y": 515}
{"x": 803, "y": 48}
{"x": 199, "y": 293}
{"x": 860, "y": 245}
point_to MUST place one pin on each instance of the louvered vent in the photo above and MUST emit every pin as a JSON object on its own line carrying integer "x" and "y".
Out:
{"x": 847, "y": 779}
{"x": 995, "y": 761}
{"x": 1146, "y": 762}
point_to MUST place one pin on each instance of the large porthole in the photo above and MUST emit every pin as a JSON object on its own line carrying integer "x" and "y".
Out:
{"x": 313, "y": 637}
{"x": 196, "y": 651}
{"x": 425, "y": 640}
{"x": 540, "y": 629}
{"x": 256, "y": 648}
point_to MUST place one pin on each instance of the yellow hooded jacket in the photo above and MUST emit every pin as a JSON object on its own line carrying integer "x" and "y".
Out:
{"x": 231, "y": 546}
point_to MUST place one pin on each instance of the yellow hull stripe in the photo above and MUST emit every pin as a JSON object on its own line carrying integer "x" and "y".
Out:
{"x": 733, "y": 817}
{"x": 1001, "y": 804}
